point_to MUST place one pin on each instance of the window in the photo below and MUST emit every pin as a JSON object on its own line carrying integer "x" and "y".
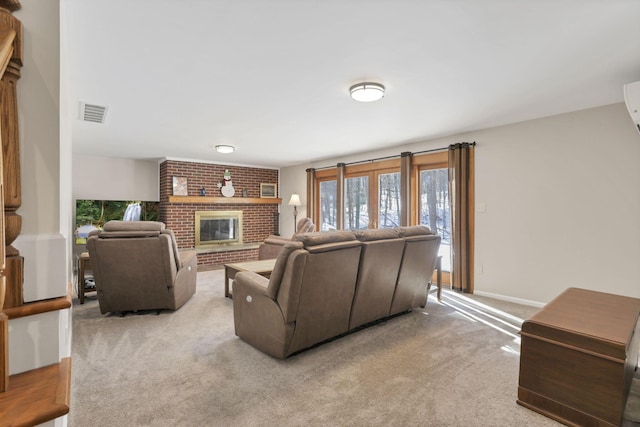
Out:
{"x": 389, "y": 200}
{"x": 356, "y": 203}
{"x": 434, "y": 208}
{"x": 327, "y": 208}
{"x": 372, "y": 197}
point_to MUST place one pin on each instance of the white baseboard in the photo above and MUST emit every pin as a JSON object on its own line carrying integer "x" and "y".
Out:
{"x": 509, "y": 299}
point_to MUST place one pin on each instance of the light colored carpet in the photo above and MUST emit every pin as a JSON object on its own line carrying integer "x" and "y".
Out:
{"x": 453, "y": 364}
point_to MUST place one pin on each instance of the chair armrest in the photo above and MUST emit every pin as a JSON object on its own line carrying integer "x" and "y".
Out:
{"x": 186, "y": 256}
{"x": 271, "y": 247}
{"x": 276, "y": 240}
{"x": 184, "y": 285}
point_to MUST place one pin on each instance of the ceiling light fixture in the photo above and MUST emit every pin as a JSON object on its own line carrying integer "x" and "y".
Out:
{"x": 367, "y": 92}
{"x": 225, "y": 149}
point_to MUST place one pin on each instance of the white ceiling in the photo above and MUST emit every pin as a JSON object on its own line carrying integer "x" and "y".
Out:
{"x": 272, "y": 77}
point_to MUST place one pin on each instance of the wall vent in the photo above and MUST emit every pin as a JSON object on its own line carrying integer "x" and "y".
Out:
{"x": 93, "y": 113}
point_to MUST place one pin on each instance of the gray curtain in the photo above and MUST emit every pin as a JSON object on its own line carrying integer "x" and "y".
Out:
{"x": 461, "y": 205}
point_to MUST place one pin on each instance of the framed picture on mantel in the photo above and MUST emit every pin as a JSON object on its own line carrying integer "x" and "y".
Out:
{"x": 180, "y": 186}
{"x": 268, "y": 191}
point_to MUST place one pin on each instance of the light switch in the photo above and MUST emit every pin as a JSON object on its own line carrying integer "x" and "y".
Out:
{"x": 481, "y": 207}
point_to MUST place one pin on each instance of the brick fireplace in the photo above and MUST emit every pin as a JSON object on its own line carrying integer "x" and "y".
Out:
{"x": 260, "y": 215}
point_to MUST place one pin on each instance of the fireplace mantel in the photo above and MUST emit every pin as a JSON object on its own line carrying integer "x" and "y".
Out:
{"x": 225, "y": 200}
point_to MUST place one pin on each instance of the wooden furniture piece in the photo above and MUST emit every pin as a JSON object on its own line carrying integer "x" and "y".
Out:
{"x": 84, "y": 264}
{"x": 11, "y": 263}
{"x": 37, "y": 396}
{"x": 225, "y": 200}
{"x": 263, "y": 267}
{"x": 578, "y": 354}
{"x": 43, "y": 394}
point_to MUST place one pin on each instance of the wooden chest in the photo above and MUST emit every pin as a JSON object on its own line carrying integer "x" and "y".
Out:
{"x": 578, "y": 355}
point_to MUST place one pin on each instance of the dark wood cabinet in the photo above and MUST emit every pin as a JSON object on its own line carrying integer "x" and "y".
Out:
{"x": 578, "y": 355}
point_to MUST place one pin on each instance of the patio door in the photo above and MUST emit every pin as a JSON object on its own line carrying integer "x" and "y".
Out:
{"x": 372, "y": 199}
{"x": 434, "y": 210}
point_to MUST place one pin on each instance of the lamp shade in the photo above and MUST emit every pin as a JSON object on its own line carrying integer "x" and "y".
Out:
{"x": 295, "y": 200}
{"x": 367, "y": 92}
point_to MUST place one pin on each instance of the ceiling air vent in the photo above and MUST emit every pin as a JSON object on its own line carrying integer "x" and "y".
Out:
{"x": 92, "y": 113}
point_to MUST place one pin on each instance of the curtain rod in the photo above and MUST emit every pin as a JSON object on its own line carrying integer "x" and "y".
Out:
{"x": 473, "y": 144}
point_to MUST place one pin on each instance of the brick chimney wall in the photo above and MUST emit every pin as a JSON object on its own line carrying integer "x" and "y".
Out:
{"x": 258, "y": 220}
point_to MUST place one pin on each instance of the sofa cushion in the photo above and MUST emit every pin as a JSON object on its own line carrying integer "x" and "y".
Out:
{"x": 305, "y": 225}
{"x": 174, "y": 245}
{"x": 134, "y": 226}
{"x": 376, "y": 234}
{"x": 418, "y": 263}
{"x": 127, "y": 234}
{"x": 316, "y": 239}
{"x": 278, "y": 269}
{"x": 137, "y": 229}
{"x": 414, "y": 230}
{"x": 377, "y": 276}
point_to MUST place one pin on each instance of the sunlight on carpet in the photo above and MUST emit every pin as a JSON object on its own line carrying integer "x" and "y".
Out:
{"x": 188, "y": 368}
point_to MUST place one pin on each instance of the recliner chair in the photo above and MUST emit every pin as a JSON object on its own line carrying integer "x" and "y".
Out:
{"x": 272, "y": 245}
{"x": 137, "y": 266}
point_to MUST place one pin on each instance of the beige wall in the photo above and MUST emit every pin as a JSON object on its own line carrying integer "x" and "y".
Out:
{"x": 290, "y": 183}
{"x": 561, "y": 196}
{"x": 40, "y": 145}
{"x": 38, "y": 105}
{"x": 109, "y": 178}
{"x": 562, "y": 203}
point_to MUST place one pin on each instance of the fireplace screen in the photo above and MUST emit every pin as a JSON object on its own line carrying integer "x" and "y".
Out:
{"x": 215, "y": 228}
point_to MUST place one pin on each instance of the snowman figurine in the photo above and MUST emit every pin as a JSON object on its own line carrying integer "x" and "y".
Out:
{"x": 227, "y": 186}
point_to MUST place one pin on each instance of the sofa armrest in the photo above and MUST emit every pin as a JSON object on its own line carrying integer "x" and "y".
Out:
{"x": 257, "y": 318}
{"x": 253, "y": 283}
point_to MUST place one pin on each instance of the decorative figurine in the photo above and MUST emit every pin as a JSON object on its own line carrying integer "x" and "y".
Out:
{"x": 227, "y": 186}
{"x": 203, "y": 192}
